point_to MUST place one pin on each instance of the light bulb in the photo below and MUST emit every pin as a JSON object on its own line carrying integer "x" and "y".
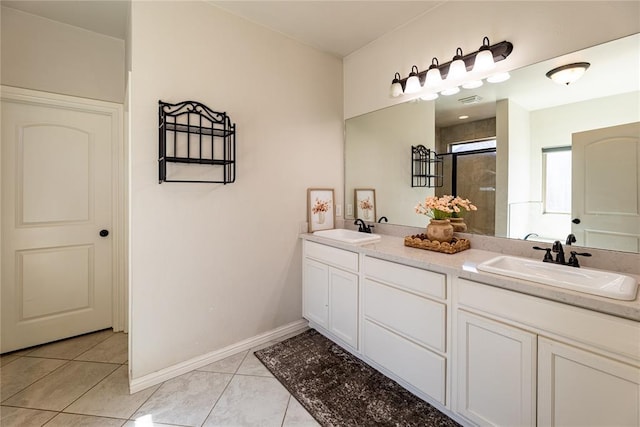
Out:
{"x": 457, "y": 69}
{"x": 396, "y": 87}
{"x": 413, "y": 82}
{"x": 484, "y": 59}
{"x": 434, "y": 78}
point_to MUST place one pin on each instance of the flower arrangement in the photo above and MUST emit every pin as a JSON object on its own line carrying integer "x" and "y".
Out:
{"x": 444, "y": 207}
{"x": 366, "y": 204}
{"x": 321, "y": 206}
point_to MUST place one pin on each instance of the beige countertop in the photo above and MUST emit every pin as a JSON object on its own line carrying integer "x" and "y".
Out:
{"x": 463, "y": 264}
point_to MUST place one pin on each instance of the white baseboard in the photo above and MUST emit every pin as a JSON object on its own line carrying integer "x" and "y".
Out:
{"x": 137, "y": 384}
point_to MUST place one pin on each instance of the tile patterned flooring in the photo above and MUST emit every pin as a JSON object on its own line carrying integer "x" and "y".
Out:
{"x": 83, "y": 381}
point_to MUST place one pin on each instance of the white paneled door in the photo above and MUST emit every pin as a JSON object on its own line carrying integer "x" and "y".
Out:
{"x": 57, "y": 218}
{"x": 606, "y": 187}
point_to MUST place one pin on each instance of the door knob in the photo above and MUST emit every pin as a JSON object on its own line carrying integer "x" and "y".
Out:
{"x": 104, "y": 233}
{"x": 576, "y": 220}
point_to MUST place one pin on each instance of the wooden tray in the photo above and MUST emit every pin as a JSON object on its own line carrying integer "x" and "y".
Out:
{"x": 421, "y": 241}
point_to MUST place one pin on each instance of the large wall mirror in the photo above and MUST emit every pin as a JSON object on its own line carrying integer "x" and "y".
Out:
{"x": 565, "y": 161}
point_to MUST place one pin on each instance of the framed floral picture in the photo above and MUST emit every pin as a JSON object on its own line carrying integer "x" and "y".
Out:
{"x": 365, "y": 202}
{"x": 320, "y": 208}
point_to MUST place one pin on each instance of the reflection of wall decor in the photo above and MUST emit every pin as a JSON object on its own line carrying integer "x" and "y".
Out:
{"x": 320, "y": 208}
{"x": 365, "y": 201}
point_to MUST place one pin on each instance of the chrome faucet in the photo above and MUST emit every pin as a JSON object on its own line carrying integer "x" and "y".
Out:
{"x": 362, "y": 227}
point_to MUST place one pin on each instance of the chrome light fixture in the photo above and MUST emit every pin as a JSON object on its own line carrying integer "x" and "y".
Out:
{"x": 484, "y": 58}
{"x": 567, "y": 74}
{"x": 396, "y": 87}
{"x": 438, "y": 76}
{"x": 413, "y": 82}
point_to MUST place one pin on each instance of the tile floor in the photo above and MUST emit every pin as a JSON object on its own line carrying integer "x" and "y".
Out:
{"x": 83, "y": 381}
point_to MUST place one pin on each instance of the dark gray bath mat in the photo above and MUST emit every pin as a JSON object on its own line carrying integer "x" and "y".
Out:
{"x": 340, "y": 390}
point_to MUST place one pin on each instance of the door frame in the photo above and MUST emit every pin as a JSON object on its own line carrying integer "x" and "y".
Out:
{"x": 119, "y": 186}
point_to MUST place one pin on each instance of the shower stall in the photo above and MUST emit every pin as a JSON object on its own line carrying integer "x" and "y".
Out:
{"x": 472, "y": 175}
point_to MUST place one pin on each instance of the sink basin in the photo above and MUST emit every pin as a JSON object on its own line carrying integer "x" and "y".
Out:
{"x": 595, "y": 282}
{"x": 347, "y": 236}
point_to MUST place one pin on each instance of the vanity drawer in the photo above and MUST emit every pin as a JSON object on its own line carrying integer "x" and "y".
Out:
{"x": 411, "y": 316}
{"x": 414, "y": 364}
{"x": 414, "y": 279}
{"x": 331, "y": 255}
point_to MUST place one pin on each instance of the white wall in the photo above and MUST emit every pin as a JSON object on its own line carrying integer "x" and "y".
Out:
{"x": 389, "y": 134}
{"x": 539, "y": 30}
{"x": 42, "y": 54}
{"x": 212, "y": 265}
{"x": 553, "y": 127}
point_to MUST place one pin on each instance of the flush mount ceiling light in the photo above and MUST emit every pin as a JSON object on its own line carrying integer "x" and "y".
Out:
{"x": 455, "y": 71}
{"x": 567, "y": 74}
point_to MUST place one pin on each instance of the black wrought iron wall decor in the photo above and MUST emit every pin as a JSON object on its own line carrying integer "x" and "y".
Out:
{"x": 426, "y": 167}
{"x": 193, "y": 134}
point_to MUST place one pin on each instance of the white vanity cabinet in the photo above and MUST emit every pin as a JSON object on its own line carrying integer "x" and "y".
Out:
{"x": 404, "y": 316}
{"x": 580, "y": 388}
{"x": 523, "y": 360}
{"x": 496, "y": 372}
{"x": 330, "y": 291}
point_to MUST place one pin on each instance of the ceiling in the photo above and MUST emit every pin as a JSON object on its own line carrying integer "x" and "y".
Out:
{"x": 108, "y": 17}
{"x": 335, "y": 27}
{"x": 342, "y": 27}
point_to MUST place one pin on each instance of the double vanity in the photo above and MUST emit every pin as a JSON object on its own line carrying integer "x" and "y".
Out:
{"x": 484, "y": 347}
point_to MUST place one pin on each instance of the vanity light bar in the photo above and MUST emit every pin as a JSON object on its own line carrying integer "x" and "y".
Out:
{"x": 500, "y": 51}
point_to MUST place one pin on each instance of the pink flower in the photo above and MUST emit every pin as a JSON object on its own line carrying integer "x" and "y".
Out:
{"x": 444, "y": 207}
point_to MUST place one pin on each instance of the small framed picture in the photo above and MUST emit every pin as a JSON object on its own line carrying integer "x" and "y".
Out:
{"x": 365, "y": 201}
{"x": 320, "y": 208}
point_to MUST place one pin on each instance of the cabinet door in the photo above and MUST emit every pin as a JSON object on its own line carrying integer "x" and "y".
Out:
{"x": 496, "y": 372}
{"x": 343, "y": 305}
{"x": 579, "y": 388}
{"x": 315, "y": 292}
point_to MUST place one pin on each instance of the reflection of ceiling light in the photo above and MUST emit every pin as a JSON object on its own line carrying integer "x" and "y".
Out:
{"x": 568, "y": 73}
{"x": 450, "y": 91}
{"x": 473, "y": 84}
{"x": 497, "y": 78}
{"x": 429, "y": 96}
{"x": 463, "y": 117}
{"x": 475, "y": 99}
